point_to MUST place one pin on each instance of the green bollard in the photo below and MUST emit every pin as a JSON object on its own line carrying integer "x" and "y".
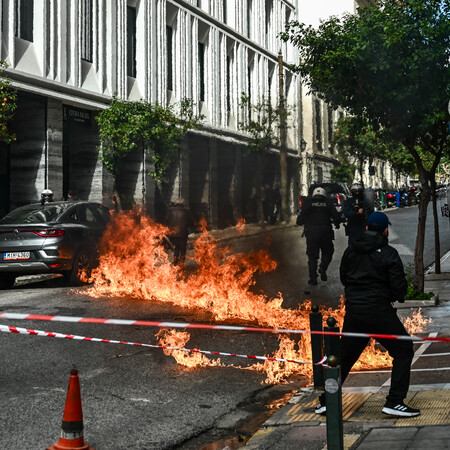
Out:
{"x": 331, "y": 343}
{"x": 333, "y": 398}
{"x": 315, "y": 323}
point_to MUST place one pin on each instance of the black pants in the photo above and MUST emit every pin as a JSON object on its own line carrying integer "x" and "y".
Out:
{"x": 179, "y": 253}
{"x": 316, "y": 243}
{"x": 381, "y": 322}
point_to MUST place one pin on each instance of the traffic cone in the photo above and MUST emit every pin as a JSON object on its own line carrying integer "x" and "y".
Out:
{"x": 72, "y": 422}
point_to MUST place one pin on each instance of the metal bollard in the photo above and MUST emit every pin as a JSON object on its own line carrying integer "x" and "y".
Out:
{"x": 332, "y": 343}
{"x": 315, "y": 323}
{"x": 333, "y": 399}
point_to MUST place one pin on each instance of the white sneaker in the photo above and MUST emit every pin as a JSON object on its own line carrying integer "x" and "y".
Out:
{"x": 400, "y": 410}
{"x": 321, "y": 409}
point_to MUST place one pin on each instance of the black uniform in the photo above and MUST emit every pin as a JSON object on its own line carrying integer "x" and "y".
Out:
{"x": 356, "y": 223}
{"x": 316, "y": 215}
{"x": 179, "y": 220}
{"x": 373, "y": 276}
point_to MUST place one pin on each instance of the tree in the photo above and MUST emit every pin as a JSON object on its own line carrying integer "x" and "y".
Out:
{"x": 8, "y": 97}
{"x": 344, "y": 172}
{"x": 126, "y": 125}
{"x": 263, "y": 125}
{"x": 389, "y": 64}
{"x": 356, "y": 138}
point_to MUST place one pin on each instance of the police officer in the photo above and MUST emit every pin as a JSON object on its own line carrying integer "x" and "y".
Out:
{"x": 46, "y": 196}
{"x": 356, "y": 209}
{"x": 317, "y": 215}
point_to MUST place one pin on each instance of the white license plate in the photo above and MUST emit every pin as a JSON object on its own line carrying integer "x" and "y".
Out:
{"x": 16, "y": 255}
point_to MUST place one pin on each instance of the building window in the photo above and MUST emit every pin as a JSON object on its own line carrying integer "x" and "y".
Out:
{"x": 169, "y": 58}
{"x": 330, "y": 128}
{"x": 319, "y": 175}
{"x": 228, "y": 84}
{"x": 24, "y": 19}
{"x": 249, "y": 18}
{"x": 86, "y": 30}
{"x": 318, "y": 127}
{"x": 201, "y": 70}
{"x": 224, "y": 9}
{"x": 269, "y": 7}
{"x": 131, "y": 41}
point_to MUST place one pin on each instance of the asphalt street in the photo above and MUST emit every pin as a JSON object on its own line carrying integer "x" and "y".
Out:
{"x": 139, "y": 398}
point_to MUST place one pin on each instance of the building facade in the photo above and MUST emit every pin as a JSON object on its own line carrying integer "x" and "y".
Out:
{"x": 67, "y": 58}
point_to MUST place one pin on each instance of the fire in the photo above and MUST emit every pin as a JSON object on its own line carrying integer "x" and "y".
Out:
{"x": 134, "y": 262}
{"x": 178, "y": 339}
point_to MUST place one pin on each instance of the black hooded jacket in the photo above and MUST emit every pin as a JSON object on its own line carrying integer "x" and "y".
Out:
{"x": 372, "y": 273}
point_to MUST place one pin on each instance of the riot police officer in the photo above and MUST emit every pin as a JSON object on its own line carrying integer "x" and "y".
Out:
{"x": 356, "y": 209}
{"x": 46, "y": 196}
{"x": 317, "y": 215}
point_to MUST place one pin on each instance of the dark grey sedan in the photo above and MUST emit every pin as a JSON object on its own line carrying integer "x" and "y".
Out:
{"x": 56, "y": 237}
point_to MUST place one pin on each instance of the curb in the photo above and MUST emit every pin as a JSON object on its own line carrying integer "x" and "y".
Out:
{"x": 433, "y": 301}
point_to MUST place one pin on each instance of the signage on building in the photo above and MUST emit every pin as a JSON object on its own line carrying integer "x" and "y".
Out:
{"x": 81, "y": 116}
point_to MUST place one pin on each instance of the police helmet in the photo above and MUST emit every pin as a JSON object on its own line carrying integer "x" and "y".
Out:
{"x": 319, "y": 191}
{"x": 357, "y": 187}
{"x": 46, "y": 193}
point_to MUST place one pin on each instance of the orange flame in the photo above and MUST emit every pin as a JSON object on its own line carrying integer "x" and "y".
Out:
{"x": 134, "y": 262}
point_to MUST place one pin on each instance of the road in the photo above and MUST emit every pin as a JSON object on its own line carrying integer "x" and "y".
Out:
{"x": 139, "y": 398}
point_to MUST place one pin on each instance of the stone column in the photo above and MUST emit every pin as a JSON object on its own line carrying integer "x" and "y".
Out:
{"x": 213, "y": 201}
{"x": 54, "y": 147}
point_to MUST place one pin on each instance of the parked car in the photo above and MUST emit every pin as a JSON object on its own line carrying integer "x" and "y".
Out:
{"x": 56, "y": 237}
{"x": 336, "y": 191}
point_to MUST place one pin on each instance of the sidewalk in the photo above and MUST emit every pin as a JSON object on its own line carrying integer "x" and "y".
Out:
{"x": 296, "y": 426}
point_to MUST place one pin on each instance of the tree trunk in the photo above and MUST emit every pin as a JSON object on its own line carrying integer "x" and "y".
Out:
{"x": 283, "y": 148}
{"x": 420, "y": 238}
{"x": 437, "y": 242}
{"x": 259, "y": 187}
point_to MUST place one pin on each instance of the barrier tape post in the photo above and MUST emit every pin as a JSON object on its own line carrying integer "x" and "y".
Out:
{"x": 315, "y": 323}
{"x": 333, "y": 399}
{"x": 332, "y": 344}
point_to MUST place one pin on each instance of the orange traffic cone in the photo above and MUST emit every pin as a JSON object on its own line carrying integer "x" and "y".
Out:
{"x": 72, "y": 422}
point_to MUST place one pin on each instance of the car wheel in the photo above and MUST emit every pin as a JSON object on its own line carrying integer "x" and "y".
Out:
{"x": 7, "y": 280}
{"x": 81, "y": 269}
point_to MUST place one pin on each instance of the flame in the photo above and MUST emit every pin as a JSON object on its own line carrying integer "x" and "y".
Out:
{"x": 134, "y": 262}
{"x": 178, "y": 339}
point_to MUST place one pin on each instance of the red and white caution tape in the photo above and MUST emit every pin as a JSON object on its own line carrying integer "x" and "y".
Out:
{"x": 16, "y": 330}
{"x": 147, "y": 323}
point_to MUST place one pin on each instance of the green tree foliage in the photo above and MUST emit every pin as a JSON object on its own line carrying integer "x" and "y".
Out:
{"x": 8, "y": 97}
{"x": 390, "y": 63}
{"x": 345, "y": 172}
{"x": 125, "y": 125}
{"x": 262, "y": 123}
{"x": 357, "y": 140}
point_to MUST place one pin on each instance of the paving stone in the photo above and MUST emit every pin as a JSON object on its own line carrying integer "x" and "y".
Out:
{"x": 391, "y": 434}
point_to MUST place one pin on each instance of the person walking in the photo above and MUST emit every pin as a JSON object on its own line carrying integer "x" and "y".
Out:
{"x": 317, "y": 215}
{"x": 373, "y": 276}
{"x": 356, "y": 209}
{"x": 277, "y": 214}
{"x": 179, "y": 220}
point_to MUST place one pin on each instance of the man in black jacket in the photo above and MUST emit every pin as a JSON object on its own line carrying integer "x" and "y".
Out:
{"x": 316, "y": 215}
{"x": 372, "y": 273}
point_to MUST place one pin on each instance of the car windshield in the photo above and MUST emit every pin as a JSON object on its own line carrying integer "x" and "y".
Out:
{"x": 34, "y": 214}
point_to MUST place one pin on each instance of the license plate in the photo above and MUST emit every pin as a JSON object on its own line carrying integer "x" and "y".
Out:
{"x": 16, "y": 255}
